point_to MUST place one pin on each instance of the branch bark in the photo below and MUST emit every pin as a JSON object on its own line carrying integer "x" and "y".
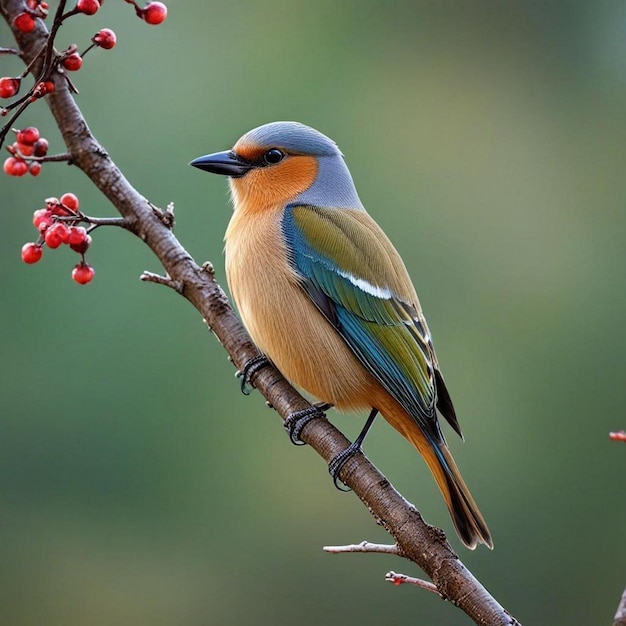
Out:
{"x": 415, "y": 540}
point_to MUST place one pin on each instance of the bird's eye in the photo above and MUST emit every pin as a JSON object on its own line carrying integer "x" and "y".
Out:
{"x": 273, "y": 156}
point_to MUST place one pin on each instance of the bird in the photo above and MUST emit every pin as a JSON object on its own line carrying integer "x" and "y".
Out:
{"x": 328, "y": 300}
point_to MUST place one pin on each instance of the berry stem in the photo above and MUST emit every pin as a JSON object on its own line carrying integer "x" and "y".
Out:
{"x": 53, "y": 158}
{"x": 86, "y": 50}
{"x": 70, "y": 13}
{"x": 79, "y": 216}
{"x": 23, "y": 103}
{"x": 122, "y": 222}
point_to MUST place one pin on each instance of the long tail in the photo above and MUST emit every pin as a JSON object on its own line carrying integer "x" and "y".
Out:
{"x": 468, "y": 520}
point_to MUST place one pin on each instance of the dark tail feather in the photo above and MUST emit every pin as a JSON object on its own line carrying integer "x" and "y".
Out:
{"x": 468, "y": 520}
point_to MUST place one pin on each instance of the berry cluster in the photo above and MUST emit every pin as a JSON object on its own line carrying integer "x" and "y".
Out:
{"x": 57, "y": 224}
{"x": 70, "y": 60}
{"x": 27, "y": 151}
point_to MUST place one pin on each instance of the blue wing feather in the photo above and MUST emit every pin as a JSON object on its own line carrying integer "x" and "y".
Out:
{"x": 384, "y": 332}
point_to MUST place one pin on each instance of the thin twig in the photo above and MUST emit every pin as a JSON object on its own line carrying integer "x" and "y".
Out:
{"x": 120, "y": 222}
{"x": 364, "y": 546}
{"x": 150, "y": 277}
{"x": 400, "y": 579}
{"x": 53, "y": 158}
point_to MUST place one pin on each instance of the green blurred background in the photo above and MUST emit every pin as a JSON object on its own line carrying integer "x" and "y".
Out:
{"x": 488, "y": 139}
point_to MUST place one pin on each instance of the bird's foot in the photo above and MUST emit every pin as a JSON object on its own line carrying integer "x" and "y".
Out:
{"x": 249, "y": 370}
{"x": 336, "y": 464}
{"x": 295, "y": 422}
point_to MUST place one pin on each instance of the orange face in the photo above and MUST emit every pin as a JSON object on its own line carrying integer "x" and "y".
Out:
{"x": 271, "y": 186}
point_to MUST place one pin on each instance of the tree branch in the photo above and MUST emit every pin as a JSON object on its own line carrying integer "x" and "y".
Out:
{"x": 416, "y": 541}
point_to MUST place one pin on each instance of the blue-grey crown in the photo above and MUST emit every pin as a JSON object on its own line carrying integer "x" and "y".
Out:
{"x": 294, "y": 137}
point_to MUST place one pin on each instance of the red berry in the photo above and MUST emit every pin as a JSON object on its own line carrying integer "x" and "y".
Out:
{"x": 25, "y": 149}
{"x": 78, "y": 239}
{"x": 42, "y": 216}
{"x": 41, "y": 147}
{"x": 19, "y": 167}
{"x": 52, "y": 238}
{"x": 28, "y": 135}
{"x": 37, "y": 6}
{"x": 105, "y": 38}
{"x": 24, "y": 22}
{"x": 88, "y": 7}
{"x": 63, "y": 231}
{"x": 77, "y": 235}
{"x": 81, "y": 248}
{"x": 154, "y": 13}
{"x": 55, "y": 208}
{"x": 70, "y": 201}
{"x": 15, "y": 167}
{"x": 9, "y": 86}
{"x": 83, "y": 273}
{"x": 31, "y": 253}
{"x": 41, "y": 89}
{"x": 57, "y": 234}
{"x": 34, "y": 169}
{"x": 73, "y": 62}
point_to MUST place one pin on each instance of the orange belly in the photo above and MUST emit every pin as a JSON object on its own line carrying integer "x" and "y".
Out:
{"x": 282, "y": 320}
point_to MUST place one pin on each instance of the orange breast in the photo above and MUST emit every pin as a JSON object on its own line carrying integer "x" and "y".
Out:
{"x": 282, "y": 320}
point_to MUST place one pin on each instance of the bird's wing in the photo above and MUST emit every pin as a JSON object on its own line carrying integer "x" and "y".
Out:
{"x": 356, "y": 278}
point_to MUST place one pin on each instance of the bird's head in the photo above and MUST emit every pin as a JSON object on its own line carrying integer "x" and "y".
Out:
{"x": 284, "y": 162}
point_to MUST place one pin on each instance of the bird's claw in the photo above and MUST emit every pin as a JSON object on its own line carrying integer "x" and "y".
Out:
{"x": 295, "y": 422}
{"x": 337, "y": 462}
{"x": 249, "y": 370}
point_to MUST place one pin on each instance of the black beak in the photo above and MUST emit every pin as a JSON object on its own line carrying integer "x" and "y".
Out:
{"x": 226, "y": 163}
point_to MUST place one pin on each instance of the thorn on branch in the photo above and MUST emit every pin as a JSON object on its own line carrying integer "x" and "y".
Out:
{"x": 207, "y": 267}
{"x": 401, "y": 579}
{"x": 176, "y": 285}
{"x": 165, "y": 217}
